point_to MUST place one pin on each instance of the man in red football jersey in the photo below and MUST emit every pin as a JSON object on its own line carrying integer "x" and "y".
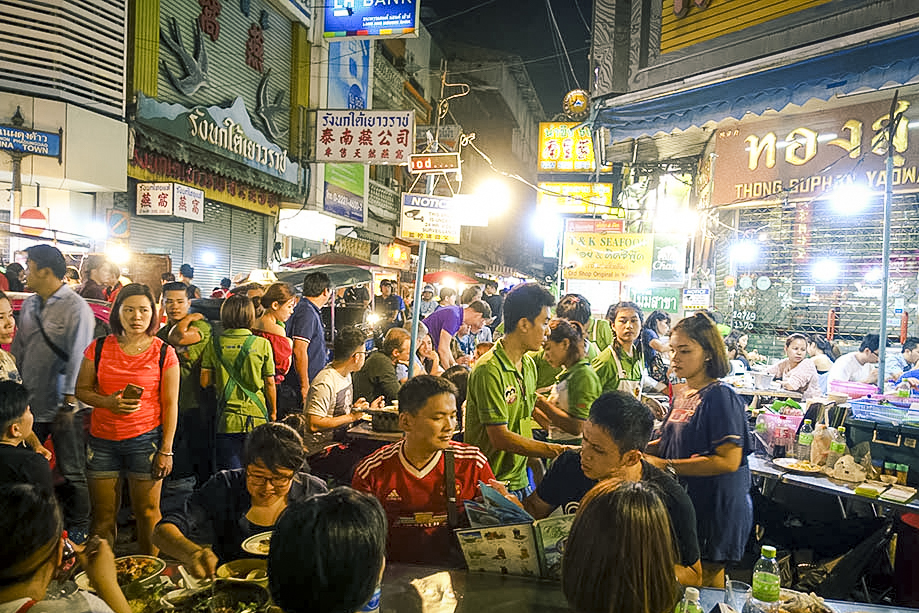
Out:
{"x": 409, "y": 477}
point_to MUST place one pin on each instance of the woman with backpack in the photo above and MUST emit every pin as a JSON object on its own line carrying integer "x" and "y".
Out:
{"x": 131, "y": 379}
{"x": 241, "y": 367}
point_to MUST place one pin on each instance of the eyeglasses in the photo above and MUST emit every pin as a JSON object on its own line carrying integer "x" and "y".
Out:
{"x": 277, "y": 482}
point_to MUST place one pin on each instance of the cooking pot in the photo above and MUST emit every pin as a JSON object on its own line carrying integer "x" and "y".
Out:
{"x": 385, "y": 419}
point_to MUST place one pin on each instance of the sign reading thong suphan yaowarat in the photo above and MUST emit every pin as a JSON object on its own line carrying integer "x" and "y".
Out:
{"x": 369, "y": 137}
{"x": 430, "y": 218}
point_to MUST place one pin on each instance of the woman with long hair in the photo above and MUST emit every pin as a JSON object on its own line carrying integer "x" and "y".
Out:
{"x": 620, "y": 366}
{"x": 821, "y": 352}
{"x": 564, "y": 410}
{"x": 278, "y": 303}
{"x": 241, "y": 367}
{"x": 16, "y": 277}
{"x": 704, "y": 442}
{"x": 619, "y": 555}
{"x": 131, "y": 379}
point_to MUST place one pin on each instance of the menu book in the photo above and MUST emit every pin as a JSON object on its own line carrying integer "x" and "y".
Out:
{"x": 505, "y": 539}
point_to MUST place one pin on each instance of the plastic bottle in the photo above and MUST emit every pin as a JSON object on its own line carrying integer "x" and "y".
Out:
{"x": 837, "y": 447}
{"x": 805, "y": 440}
{"x": 764, "y": 429}
{"x": 690, "y": 602}
{"x": 767, "y": 582}
{"x": 782, "y": 439}
{"x": 821, "y": 445}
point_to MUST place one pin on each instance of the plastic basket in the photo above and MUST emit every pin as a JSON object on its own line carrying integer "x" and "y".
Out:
{"x": 872, "y": 411}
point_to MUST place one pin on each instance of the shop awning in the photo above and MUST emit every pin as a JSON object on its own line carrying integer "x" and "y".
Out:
{"x": 867, "y": 67}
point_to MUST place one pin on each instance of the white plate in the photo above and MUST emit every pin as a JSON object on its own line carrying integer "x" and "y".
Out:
{"x": 252, "y": 544}
{"x": 82, "y": 580}
{"x": 786, "y": 463}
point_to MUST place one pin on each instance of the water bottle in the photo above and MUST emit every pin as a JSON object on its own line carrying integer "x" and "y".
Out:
{"x": 821, "y": 445}
{"x": 805, "y": 440}
{"x": 373, "y": 605}
{"x": 767, "y": 582}
{"x": 837, "y": 447}
{"x": 690, "y": 602}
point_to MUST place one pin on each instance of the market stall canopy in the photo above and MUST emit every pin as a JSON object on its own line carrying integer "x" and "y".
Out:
{"x": 862, "y": 68}
{"x": 440, "y": 276}
{"x": 339, "y": 274}
{"x": 331, "y": 257}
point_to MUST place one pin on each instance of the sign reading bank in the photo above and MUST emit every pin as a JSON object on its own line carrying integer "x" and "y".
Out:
{"x": 371, "y": 18}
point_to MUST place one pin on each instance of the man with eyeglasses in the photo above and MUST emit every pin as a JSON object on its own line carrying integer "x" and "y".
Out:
{"x": 858, "y": 365}
{"x": 236, "y": 504}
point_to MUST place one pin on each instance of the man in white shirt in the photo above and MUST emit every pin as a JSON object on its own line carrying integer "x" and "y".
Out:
{"x": 857, "y": 365}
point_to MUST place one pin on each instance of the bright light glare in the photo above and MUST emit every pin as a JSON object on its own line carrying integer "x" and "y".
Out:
{"x": 208, "y": 258}
{"x": 763, "y": 237}
{"x": 850, "y": 198}
{"x": 744, "y": 252}
{"x": 545, "y": 224}
{"x": 496, "y": 195}
{"x": 874, "y": 275}
{"x": 98, "y": 231}
{"x": 825, "y": 270}
{"x": 677, "y": 221}
{"x": 118, "y": 254}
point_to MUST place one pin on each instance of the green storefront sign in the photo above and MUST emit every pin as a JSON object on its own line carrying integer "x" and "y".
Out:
{"x": 666, "y": 299}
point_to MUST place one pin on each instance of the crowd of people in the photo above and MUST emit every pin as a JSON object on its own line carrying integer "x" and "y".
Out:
{"x": 244, "y": 422}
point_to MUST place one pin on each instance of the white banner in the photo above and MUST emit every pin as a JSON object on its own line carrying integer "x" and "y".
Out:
{"x": 369, "y": 137}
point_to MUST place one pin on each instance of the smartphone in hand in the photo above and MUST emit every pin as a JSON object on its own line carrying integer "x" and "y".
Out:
{"x": 132, "y": 392}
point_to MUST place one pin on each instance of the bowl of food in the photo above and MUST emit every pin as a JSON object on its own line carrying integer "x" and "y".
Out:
{"x": 258, "y": 544}
{"x": 245, "y": 570}
{"x": 223, "y": 597}
{"x": 130, "y": 569}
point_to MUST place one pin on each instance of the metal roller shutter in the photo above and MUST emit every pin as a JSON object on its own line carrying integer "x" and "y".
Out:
{"x": 231, "y": 240}
{"x": 248, "y": 241}
{"x": 154, "y": 236}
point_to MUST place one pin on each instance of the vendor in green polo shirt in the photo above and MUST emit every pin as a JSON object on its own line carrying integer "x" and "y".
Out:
{"x": 620, "y": 366}
{"x": 502, "y": 390}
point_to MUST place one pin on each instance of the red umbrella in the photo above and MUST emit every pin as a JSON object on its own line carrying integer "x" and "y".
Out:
{"x": 330, "y": 257}
{"x": 440, "y": 275}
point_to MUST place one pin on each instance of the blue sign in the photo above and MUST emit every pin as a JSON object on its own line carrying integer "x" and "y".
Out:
{"x": 349, "y": 74}
{"x": 30, "y": 142}
{"x": 391, "y": 18}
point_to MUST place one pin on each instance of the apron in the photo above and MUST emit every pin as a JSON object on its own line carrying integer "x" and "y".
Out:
{"x": 625, "y": 384}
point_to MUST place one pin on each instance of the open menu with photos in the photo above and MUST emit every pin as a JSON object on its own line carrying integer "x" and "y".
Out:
{"x": 505, "y": 539}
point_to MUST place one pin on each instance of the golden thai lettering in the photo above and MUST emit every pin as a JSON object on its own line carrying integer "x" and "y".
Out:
{"x": 756, "y": 148}
{"x": 854, "y": 143}
{"x": 810, "y": 146}
{"x": 900, "y": 138}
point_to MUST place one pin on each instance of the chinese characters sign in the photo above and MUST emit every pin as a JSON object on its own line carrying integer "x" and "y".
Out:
{"x": 429, "y": 218}
{"x": 810, "y": 155}
{"x": 170, "y": 200}
{"x": 369, "y": 137}
{"x": 564, "y": 149}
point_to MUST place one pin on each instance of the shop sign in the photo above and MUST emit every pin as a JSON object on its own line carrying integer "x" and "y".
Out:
{"x": 349, "y": 74}
{"x": 668, "y": 264}
{"x": 697, "y": 298}
{"x": 666, "y": 299}
{"x": 225, "y": 131}
{"x": 365, "y": 137}
{"x": 148, "y": 166}
{"x": 566, "y": 147}
{"x": 430, "y": 218}
{"x": 370, "y": 18}
{"x": 808, "y": 156}
{"x": 344, "y": 192}
{"x": 31, "y": 142}
{"x": 609, "y": 255}
{"x": 578, "y": 199}
{"x": 170, "y": 200}
{"x": 355, "y": 247}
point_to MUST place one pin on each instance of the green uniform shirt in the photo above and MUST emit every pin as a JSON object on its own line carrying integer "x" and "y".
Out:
{"x": 582, "y": 386}
{"x": 608, "y": 371}
{"x": 497, "y": 394}
{"x": 546, "y": 374}
{"x": 240, "y": 414}
{"x": 189, "y": 363}
{"x": 600, "y": 333}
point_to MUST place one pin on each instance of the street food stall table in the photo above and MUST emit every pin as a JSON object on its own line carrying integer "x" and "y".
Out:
{"x": 410, "y": 589}
{"x": 758, "y": 394}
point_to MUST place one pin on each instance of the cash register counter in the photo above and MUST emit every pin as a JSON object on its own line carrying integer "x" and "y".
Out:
{"x": 420, "y": 589}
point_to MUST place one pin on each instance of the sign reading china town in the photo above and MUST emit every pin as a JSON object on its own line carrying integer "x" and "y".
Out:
{"x": 369, "y": 137}
{"x": 170, "y": 200}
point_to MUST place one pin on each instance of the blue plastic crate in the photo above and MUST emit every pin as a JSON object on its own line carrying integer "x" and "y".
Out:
{"x": 872, "y": 410}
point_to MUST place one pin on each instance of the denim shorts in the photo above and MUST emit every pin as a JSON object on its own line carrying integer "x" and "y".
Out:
{"x": 131, "y": 457}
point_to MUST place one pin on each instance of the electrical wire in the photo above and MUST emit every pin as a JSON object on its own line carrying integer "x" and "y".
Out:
{"x": 561, "y": 43}
{"x": 577, "y": 5}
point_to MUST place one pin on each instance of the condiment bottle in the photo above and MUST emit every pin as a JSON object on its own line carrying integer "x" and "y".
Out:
{"x": 902, "y": 473}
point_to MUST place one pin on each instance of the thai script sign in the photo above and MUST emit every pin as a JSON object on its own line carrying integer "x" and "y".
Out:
{"x": 810, "y": 155}
{"x": 31, "y": 142}
{"x": 562, "y": 148}
{"x": 666, "y": 299}
{"x": 578, "y": 198}
{"x": 226, "y": 131}
{"x": 378, "y": 18}
{"x": 609, "y": 255}
{"x": 370, "y": 137}
{"x": 430, "y": 218}
{"x": 170, "y": 200}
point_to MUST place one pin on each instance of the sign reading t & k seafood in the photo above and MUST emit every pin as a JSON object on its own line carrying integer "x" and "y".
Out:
{"x": 430, "y": 218}
{"x": 370, "y": 137}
